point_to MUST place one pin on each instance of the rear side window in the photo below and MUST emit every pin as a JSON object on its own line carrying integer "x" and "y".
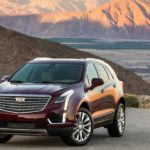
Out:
{"x": 111, "y": 77}
{"x": 102, "y": 73}
{"x": 91, "y": 73}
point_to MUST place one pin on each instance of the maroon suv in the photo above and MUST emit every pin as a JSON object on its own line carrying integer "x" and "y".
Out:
{"x": 62, "y": 97}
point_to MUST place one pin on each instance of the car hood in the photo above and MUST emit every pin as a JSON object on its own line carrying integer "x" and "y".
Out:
{"x": 29, "y": 88}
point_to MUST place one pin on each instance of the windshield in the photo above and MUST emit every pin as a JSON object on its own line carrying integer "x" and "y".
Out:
{"x": 48, "y": 73}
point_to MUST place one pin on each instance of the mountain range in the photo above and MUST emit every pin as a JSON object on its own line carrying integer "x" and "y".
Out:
{"x": 118, "y": 19}
{"x": 28, "y": 7}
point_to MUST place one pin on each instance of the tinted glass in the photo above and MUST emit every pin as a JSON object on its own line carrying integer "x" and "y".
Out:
{"x": 102, "y": 73}
{"x": 109, "y": 73}
{"x": 49, "y": 73}
{"x": 91, "y": 73}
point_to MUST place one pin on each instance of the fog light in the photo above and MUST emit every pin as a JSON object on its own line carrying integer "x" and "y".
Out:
{"x": 56, "y": 118}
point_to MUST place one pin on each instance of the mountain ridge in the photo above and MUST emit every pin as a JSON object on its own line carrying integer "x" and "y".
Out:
{"x": 124, "y": 19}
{"x": 28, "y": 7}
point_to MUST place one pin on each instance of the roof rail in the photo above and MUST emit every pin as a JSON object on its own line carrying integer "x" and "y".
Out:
{"x": 43, "y": 58}
{"x": 96, "y": 60}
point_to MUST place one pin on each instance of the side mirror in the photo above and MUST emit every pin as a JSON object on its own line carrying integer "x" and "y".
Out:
{"x": 97, "y": 82}
{"x": 5, "y": 78}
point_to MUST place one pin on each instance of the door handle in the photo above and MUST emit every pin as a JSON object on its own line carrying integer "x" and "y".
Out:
{"x": 102, "y": 91}
{"x": 114, "y": 86}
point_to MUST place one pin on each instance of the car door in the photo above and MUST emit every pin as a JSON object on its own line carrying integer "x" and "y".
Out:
{"x": 108, "y": 89}
{"x": 101, "y": 101}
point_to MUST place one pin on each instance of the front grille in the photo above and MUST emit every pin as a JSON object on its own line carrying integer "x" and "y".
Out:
{"x": 23, "y": 103}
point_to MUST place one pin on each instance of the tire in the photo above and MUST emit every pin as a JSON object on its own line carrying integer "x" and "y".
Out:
{"x": 117, "y": 128}
{"x": 5, "y": 138}
{"x": 82, "y": 131}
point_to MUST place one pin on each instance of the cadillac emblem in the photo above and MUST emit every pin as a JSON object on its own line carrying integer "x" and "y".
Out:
{"x": 20, "y": 99}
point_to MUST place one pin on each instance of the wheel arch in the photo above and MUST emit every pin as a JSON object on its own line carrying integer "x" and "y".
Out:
{"x": 84, "y": 105}
{"x": 122, "y": 100}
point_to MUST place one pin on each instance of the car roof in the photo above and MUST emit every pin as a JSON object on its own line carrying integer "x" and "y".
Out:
{"x": 82, "y": 60}
{"x": 44, "y": 59}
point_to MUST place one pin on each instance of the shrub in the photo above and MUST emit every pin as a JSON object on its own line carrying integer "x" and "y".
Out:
{"x": 132, "y": 100}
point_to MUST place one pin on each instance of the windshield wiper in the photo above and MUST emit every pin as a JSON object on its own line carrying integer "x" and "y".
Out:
{"x": 16, "y": 81}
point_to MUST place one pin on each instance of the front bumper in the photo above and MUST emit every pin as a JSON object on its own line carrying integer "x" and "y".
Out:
{"x": 23, "y": 131}
{"x": 35, "y": 124}
{"x": 43, "y": 132}
{"x": 53, "y": 119}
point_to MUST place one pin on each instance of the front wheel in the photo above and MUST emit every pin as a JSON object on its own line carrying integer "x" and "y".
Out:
{"x": 116, "y": 129}
{"x": 82, "y": 131}
{"x": 4, "y": 138}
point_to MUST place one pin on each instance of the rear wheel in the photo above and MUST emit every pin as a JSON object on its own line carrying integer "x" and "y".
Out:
{"x": 82, "y": 131}
{"x": 116, "y": 129}
{"x": 5, "y": 138}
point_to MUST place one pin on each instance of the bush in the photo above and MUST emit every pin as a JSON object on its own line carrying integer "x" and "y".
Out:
{"x": 132, "y": 100}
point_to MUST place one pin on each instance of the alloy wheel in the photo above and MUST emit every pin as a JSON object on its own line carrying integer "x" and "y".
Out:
{"x": 83, "y": 127}
{"x": 121, "y": 119}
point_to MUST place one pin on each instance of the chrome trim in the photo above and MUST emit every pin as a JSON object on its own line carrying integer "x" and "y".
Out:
{"x": 48, "y": 120}
{"x": 51, "y": 123}
{"x": 23, "y": 95}
{"x": 23, "y": 131}
{"x": 108, "y": 113}
{"x": 26, "y": 95}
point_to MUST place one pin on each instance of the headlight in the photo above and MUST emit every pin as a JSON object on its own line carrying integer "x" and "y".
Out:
{"x": 64, "y": 98}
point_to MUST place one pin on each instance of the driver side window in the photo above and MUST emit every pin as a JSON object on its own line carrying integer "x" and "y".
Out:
{"x": 90, "y": 74}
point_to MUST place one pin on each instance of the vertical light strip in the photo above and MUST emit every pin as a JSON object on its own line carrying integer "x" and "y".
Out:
{"x": 68, "y": 93}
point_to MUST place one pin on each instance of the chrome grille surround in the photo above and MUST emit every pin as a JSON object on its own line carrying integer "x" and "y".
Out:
{"x": 31, "y": 103}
